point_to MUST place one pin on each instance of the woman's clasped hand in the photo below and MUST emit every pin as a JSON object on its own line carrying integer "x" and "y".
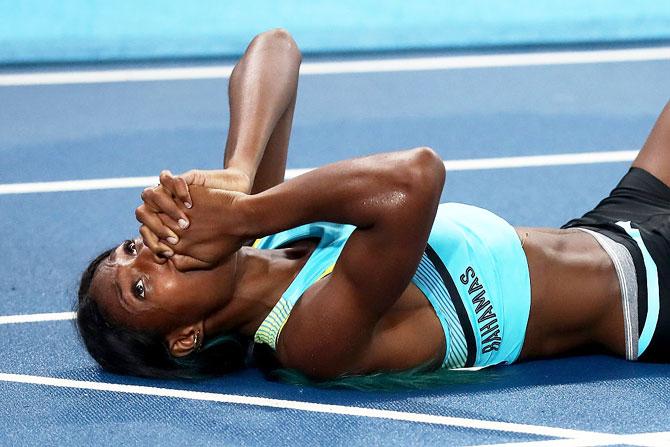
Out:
{"x": 193, "y": 219}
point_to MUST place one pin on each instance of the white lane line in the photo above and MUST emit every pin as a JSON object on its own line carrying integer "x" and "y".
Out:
{"x": 344, "y": 67}
{"x": 116, "y": 75}
{"x": 451, "y": 165}
{"x": 300, "y": 406}
{"x": 659, "y": 439}
{"x": 540, "y": 160}
{"x": 36, "y": 318}
{"x": 78, "y": 185}
{"x": 597, "y": 440}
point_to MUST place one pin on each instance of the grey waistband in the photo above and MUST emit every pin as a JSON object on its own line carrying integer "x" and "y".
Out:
{"x": 625, "y": 270}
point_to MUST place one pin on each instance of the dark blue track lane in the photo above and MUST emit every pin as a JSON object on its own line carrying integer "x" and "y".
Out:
{"x": 136, "y": 129}
{"x": 54, "y": 235}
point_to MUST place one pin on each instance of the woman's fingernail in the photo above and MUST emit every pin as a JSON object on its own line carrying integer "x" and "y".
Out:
{"x": 167, "y": 253}
{"x": 183, "y": 223}
{"x": 187, "y": 205}
{"x": 173, "y": 240}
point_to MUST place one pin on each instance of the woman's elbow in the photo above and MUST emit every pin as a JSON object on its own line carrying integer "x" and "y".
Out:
{"x": 427, "y": 170}
{"x": 279, "y": 38}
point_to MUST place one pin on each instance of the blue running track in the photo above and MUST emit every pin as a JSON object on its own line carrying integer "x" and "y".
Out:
{"x": 53, "y": 394}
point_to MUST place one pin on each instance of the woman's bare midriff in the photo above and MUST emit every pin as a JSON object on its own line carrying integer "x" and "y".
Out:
{"x": 575, "y": 303}
{"x": 575, "y": 296}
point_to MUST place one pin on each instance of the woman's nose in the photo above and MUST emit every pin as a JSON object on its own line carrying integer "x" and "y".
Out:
{"x": 146, "y": 255}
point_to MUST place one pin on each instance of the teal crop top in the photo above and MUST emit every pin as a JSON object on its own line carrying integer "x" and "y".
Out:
{"x": 474, "y": 273}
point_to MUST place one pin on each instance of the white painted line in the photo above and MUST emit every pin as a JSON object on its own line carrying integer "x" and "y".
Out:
{"x": 660, "y": 439}
{"x": 451, "y": 165}
{"x": 78, "y": 185}
{"x": 300, "y": 406}
{"x": 116, "y": 75}
{"x": 663, "y": 438}
{"x": 488, "y": 61}
{"x": 597, "y": 440}
{"x": 345, "y": 67}
{"x": 36, "y": 318}
{"x": 540, "y": 160}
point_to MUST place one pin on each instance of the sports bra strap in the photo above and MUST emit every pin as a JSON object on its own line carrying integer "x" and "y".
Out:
{"x": 332, "y": 238}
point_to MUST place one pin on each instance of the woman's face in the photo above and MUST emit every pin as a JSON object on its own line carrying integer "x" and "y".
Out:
{"x": 136, "y": 291}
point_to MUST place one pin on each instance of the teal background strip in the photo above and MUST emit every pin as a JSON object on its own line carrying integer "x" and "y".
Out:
{"x": 33, "y": 31}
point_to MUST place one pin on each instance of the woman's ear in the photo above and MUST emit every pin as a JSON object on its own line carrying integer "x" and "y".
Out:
{"x": 182, "y": 341}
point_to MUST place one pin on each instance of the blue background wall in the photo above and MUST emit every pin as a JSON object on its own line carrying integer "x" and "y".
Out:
{"x": 33, "y": 31}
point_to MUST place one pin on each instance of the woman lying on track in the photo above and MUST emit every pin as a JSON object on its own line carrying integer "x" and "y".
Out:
{"x": 355, "y": 268}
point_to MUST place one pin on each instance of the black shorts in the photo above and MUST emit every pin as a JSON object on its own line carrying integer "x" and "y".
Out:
{"x": 644, "y": 201}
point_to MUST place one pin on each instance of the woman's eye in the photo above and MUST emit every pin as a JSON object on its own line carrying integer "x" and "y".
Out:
{"x": 138, "y": 289}
{"x": 129, "y": 247}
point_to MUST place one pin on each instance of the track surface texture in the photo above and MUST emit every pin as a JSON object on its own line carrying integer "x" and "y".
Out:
{"x": 55, "y": 394}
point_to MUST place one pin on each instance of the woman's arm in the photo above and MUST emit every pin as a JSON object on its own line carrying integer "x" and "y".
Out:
{"x": 368, "y": 192}
{"x": 392, "y": 200}
{"x": 262, "y": 95}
